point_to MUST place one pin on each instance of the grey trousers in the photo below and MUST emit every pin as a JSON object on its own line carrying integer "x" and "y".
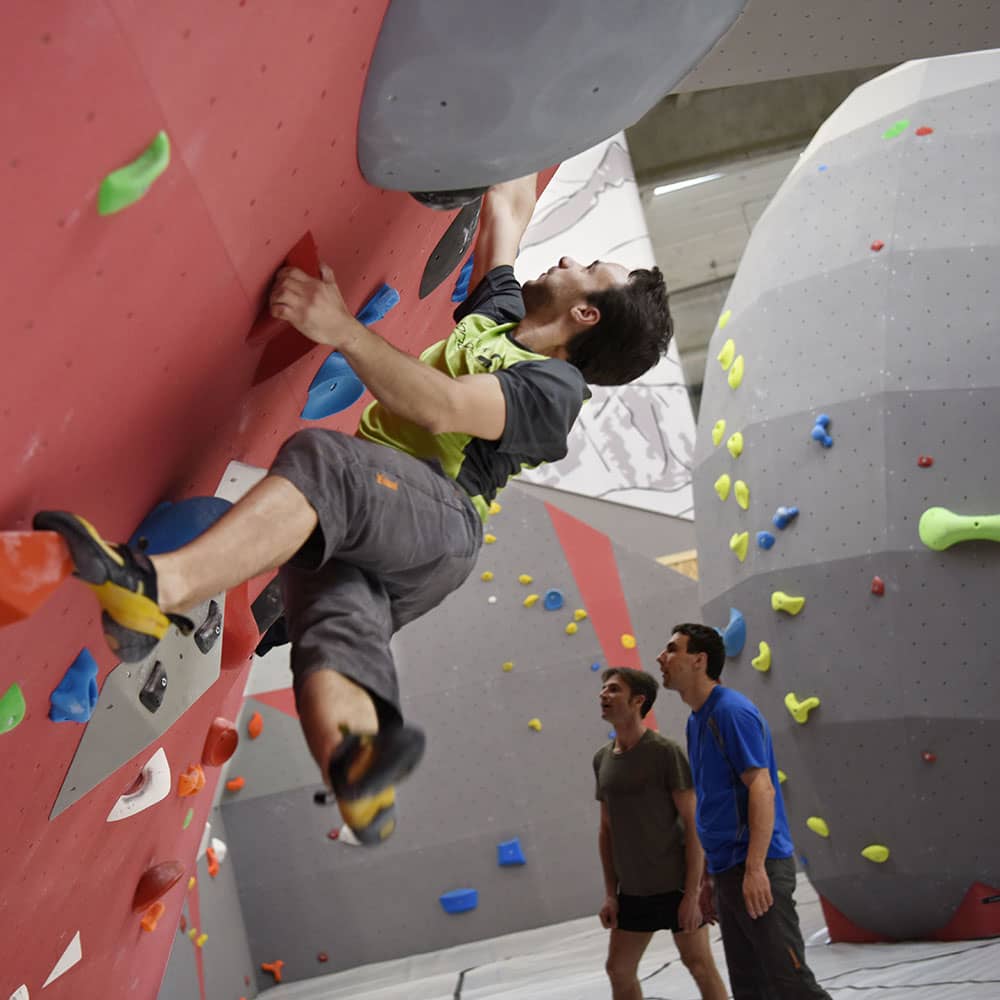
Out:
{"x": 766, "y": 956}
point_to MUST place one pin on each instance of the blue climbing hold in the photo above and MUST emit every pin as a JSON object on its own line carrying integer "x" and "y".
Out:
{"x": 459, "y": 900}
{"x": 765, "y": 539}
{"x": 462, "y": 283}
{"x": 385, "y": 298}
{"x": 509, "y": 853}
{"x": 823, "y": 420}
{"x": 76, "y": 696}
{"x": 171, "y": 525}
{"x": 822, "y": 168}
{"x": 553, "y": 600}
{"x": 334, "y": 388}
{"x": 734, "y": 636}
{"x": 820, "y": 431}
{"x": 784, "y": 516}
{"x": 595, "y": 666}
{"x": 611, "y": 734}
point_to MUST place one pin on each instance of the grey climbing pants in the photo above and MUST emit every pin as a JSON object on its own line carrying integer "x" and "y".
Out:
{"x": 766, "y": 956}
{"x": 395, "y": 537}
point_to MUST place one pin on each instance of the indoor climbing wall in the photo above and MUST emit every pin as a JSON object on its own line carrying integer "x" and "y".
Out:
{"x": 847, "y": 499}
{"x": 501, "y": 814}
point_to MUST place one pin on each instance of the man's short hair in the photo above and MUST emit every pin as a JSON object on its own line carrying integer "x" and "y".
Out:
{"x": 705, "y": 639}
{"x": 632, "y": 334}
{"x": 638, "y": 682}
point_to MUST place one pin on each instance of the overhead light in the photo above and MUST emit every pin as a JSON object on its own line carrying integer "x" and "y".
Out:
{"x": 688, "y": 182}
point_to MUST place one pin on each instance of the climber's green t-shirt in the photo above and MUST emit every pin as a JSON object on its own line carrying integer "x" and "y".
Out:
{"x": 543, "y": 396}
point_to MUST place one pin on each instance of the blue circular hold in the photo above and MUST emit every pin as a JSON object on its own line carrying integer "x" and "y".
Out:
{"x": 765, "y": 539}
{"x": 595, "y": 666}
{"x": 553, "y": 600}
{"x": 171, "y": 525}
{"x": 823, "y": 420}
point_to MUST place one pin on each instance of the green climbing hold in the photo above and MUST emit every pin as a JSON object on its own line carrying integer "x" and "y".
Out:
{"x": 941, "y": 528}
{"x": 12, "y": 708}
{"x": 125, "y": 186}
{"x": 187, "y": 819}
{"x": 897, "y": 128}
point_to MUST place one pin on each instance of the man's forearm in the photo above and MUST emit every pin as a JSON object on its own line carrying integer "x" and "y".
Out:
{"x": 694, "y": 862}
{"x": 607, "y": 863}
{"x": 761, "y": 820}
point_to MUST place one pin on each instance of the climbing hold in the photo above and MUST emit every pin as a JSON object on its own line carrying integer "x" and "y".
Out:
{"x": 718, "y": 429}
{"x": 735, "y": 376}
{"x": 726, "y": 355}
{"x": 155, "y": 883}
{"x": 182, "y": 924}
{"x": 150, "y": 787}
{"x": 72, "y": 955}
{"x": 897, "y": 128}
{"x": 878, "y": 585}
{"x": 12, "y": 708}
{"x": 878, "y": 853}
{"x": 489, "y": 539}
{"x": 207, "y": 634}
{"x": 508, "y": 666}
{"x": 572, "y": 628}
{"x": 738, "y": 543}
{"x": 486, "y": 576}
{"x": 322, "y": 957}
{"x": 152, "y": 693}
{"x": 21, "y": 993}
{"x": 201, "y": 939}
{"x": 255, "y": 726}
{"x": 820, "y": 431}
{"x": 818, "y": 826}
{"x": 192, "y": 882}
{"x": 188, "y": 816}
{"x": 126, "y": 185}
{"x": 925, "y": 461}
{"x": 724, "y": 319}
{"x": 32, "y": 565}
{"x": 595, "y": 667}
{"x": 235, "y": 784}
{"x": 152, "y": 916}
{"x": 553, "y": 600}
{"x": 765, "y": 539}
{"x": 784, "y": 516}
{"x": 333, "y": 834}
{"x": 191, "y": 782}
{"x": 220, "y": 743}
{"x": 213, "y": 862}
{"x": 535, "y": 724}
{"x": 762, "y": 661}
{"x": 742, "y": 493}
{"x": 929, "y": 757}
{"x": 923, "y": 130}
{"x": 941, "y": 528}
{"x": 628, "y": 641}
{"x": 459, "y": 900}
{"x": 509, "y": 853}
{"x": 170, "y": 526}
{"x": 334, "y": 388}
{"x": 735, "y": 444}
{"x": 192, "y": 933}
{"x": 274, "y": 968}
{"x": 461, "y": 289}
{"x": 780, "y": 601}
{"x": 579, "y": 614}
{"x": 383, "y": 299}
{"x": 495, "y": 508}
{"x": 531, "y": 600}
{"x": 782, "y": 777}
{"x": 877, "y": 245}
{"x": 800, "y": 709}
{"x": 722, "y": 485}
{"x": 734, "y": 636}
{"x": 491, "y": 599}
{"x": 525, "y": 579}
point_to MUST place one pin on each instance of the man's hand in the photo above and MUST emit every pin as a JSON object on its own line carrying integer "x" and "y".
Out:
{"x": 609, "y": 913}
{"x": 706, "y": 901}
{"x": 757, "y": 892}
{"x": 313, "y": 306}
{"x": 689, "y": 912}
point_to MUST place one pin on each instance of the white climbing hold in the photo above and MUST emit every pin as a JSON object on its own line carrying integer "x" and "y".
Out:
{"x": 154, "y": 788}
{"x": 205, "y": 839}
{"x": 219, "y": 846}
{"x": 69, "y": 958}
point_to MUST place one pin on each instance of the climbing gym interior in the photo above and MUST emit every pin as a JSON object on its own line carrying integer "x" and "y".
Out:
{"x": 810, "y": 469}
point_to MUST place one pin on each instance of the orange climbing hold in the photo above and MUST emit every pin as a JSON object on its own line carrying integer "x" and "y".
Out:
{"x": 255, "y": 726}
{"x": 156, "y": 882}
{"x": 32, "y": 565}
{"x": 235, "y": 784}
{"x": 274, "y": 968}
{"x": 213, "y": 862}
{"x": 152, "y": 916}
{"x": 191, "y": 782}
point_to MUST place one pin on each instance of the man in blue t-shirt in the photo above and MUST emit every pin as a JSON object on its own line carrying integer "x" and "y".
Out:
{"x": 741, "y": 823}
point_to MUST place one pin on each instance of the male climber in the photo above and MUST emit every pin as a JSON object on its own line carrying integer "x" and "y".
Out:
{"x": 374, "y": 530}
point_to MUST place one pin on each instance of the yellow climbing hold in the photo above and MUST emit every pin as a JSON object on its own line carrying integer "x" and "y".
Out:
{"x": 535, "y": 724}
{"x": 738, "y": 543}
{"x": 722, "y": 485}
{"x": 495, "y": 508}
{"x": 800, "y": 709}
{"x": 486, "y": 575}
{"x": 726, "y": 355}
{"x": 525, "y": 579}
{"x": 742, "y": 492}
{"x": 628, "y": 641}
{"x": 878, "y": 853}
{"x": 192, "y": 882}
{"x": 193, "y": 933}
{"x": 762, "y": 661}
{"x": 572, "y": 628}
{"x": 718, "y": 430}
{"x": 489, "y": 539}
{"x": 782, "y": 777}
{"x": 724, "y": 319}
{"x": 818, "y": 826}
{"x": 201, "y": 939}
{"x": 736, "y": 373}
{"x": 780, "y": 601}
{"x": 508, "y": 666}
{"x": 530, "y": 600}
{"x": 579, "y": 615}
{"x": 735, "y": 444}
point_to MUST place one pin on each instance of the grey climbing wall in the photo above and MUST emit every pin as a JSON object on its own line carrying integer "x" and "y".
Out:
{"x": 487, "y": 776}
{"x": 868, "y": 294}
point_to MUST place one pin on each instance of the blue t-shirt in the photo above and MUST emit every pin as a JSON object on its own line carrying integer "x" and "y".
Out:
{"x": 722, "y": 814}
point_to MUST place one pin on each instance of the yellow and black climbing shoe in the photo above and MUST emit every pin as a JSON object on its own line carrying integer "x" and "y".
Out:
{"x": 123, "y": 581}
{"x": 364, "y": 771}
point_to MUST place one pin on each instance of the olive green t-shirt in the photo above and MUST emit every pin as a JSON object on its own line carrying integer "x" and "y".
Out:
{"x": 647, "y": 833}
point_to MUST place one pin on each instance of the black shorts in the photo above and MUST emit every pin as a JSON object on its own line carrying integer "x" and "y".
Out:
{"x": 649, "y": 913}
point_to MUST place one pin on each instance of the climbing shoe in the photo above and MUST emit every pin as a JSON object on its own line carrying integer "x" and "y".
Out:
{"x": 364, "y": 771}
{"x": 123, "y": 581}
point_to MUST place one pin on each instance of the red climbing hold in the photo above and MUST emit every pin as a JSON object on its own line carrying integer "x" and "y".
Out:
{"x": 322, "y": 957}
{"x": 334, "y": 834}
{"x": 156, "y": 882}
{"x": 220, "y": 743}
{"x": 878, "y": 585}
{"x": 925, "y": 461}
{"x": 924, "y": 130}
{"x": 32, "y": 565}
{"x": 929, "y": 757}
{"x": 877, "y": 245}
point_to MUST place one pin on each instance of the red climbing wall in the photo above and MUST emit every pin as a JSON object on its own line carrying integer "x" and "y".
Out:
{"x": 126, "y": 378}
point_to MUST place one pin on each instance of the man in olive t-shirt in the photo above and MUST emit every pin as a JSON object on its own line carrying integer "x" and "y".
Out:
{"x": 650, "y": 854}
